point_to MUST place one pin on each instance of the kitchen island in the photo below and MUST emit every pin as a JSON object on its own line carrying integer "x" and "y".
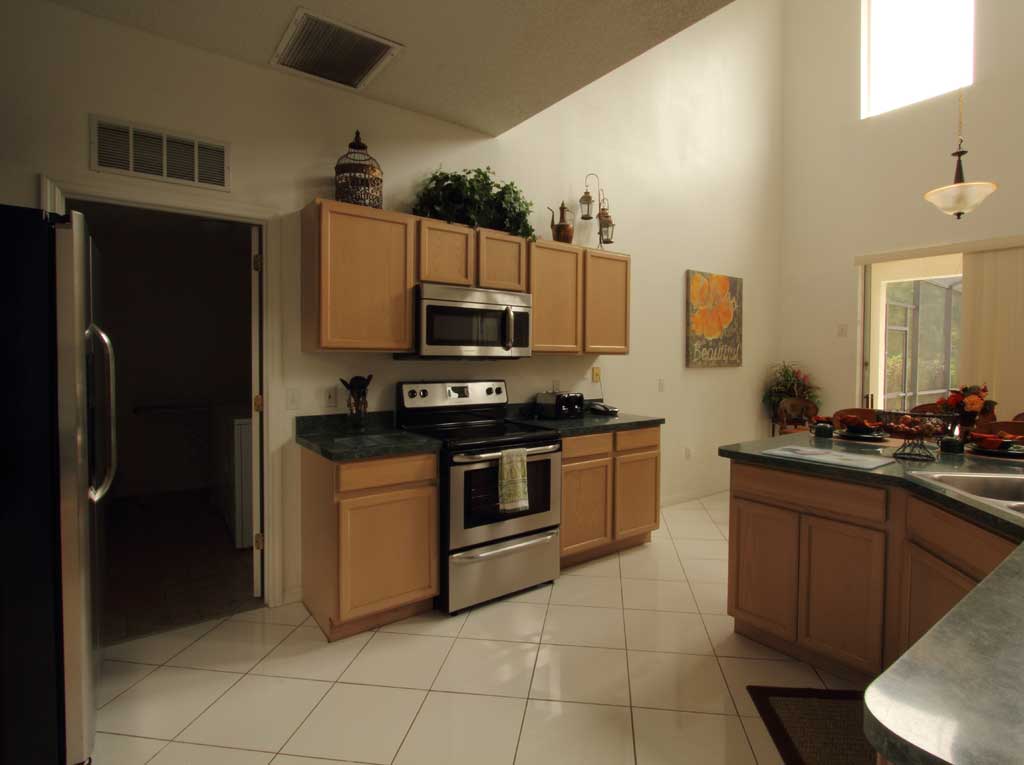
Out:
{"x": 892, "y": 576}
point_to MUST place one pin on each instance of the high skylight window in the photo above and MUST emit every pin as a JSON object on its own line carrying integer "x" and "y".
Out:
{"x": 912, "y": 50}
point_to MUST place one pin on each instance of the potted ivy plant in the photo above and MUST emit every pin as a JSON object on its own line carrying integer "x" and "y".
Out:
{"x": 475, "y": 198}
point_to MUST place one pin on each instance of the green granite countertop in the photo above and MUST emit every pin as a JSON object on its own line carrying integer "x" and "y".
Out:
{"x": 333, "y": 437}
{"x": 899, "y": 473}
{"x": 953, "y": 698}
{"x": 593, "y": 423}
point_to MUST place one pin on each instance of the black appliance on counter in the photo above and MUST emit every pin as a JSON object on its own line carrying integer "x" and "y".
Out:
{"x": 559, "y": 406}
{"x": 486, "y": 553}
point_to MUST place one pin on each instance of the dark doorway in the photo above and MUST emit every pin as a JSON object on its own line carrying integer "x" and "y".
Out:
{"x": 174, "y": 292}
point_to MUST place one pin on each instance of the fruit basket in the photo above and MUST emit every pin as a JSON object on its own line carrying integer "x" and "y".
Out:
{"x": 916, "y": 430}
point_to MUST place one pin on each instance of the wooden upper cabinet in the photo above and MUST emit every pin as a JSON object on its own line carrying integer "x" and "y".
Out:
{"x": 358, "y": 272}
{"x": 586, "y": 505}
{"x": 447, "y": 253}
{"x": 388, "y": 550}
{"x": 842, "y": 591}
{"x": 931, "y": 587}
{"x": 606, "y": 313}
{"x": 764, "y": 547}
{"x": 637, "y": 488}
{"x": 501, "y": 261}
{"x": 556, "y": 281}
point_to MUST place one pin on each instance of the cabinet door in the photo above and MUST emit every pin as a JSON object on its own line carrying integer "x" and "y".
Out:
{"x": 367, "y": 262}
{"x": 447, "y": 253}
{"x": 606, "y": 301}
{"x": 764, "y": 553}
{"x": 931, "y": 587}
{"x": 556, "y": 281}
{"x": 501, "y": 261}
{"x": 586, "y": 505}
{"x": 637, "y": 490}
{"x": 388, "y": 550}
{"x": 842, "y": 591}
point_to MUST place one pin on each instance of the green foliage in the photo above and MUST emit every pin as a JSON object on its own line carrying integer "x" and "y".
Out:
{"x": 789, "y": 381}
{"x": 474, "y": 198}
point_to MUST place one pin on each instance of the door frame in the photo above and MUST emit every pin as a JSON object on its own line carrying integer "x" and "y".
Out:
{"x": 266, "y": 474}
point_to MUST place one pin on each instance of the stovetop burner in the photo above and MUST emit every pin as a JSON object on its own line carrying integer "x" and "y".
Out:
{"x": 467, "y": 435}
{"x": 464, "y": 415}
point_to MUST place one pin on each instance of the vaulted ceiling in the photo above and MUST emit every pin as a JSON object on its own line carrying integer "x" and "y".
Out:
{"x": 484, "y": 64}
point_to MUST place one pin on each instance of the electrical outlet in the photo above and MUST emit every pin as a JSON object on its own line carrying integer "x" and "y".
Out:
{"x": 595, "y": 374}
{"x": 842, "y": 330}
{"x": 661, "y": 385}
{"x": 687, "y": 454}
{"x": 556, "y": 386}
{"x": 331, "y": 397}
{"x": 292, "y": 398}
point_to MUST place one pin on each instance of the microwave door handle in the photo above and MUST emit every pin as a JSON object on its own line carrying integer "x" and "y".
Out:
{"x": 510, "y": 320}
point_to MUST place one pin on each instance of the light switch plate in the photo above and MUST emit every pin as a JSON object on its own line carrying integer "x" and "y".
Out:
{"x": 595, "y": 374}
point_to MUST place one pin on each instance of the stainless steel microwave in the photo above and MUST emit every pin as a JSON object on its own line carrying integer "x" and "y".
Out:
{"x": 473, "y": 322}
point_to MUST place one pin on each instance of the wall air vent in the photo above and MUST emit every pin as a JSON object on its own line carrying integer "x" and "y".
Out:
{"x": 317, "y": 47}
{"x": 128, "y": 149}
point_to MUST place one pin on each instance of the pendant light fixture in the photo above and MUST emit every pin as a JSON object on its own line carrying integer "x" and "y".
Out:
{"x": 961, "y": 197}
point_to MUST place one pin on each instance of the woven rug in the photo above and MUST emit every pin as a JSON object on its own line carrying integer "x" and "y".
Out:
{"x": 811, "y": 726}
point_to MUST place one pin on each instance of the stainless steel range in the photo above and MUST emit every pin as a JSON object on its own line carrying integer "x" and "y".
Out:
{"x": 486, "y": 553}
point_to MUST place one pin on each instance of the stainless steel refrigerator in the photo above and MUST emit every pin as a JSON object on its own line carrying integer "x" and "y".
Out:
{"x": 62, "y": 446}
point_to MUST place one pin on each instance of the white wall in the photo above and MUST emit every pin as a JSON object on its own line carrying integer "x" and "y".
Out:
{"x": 854, "y": 187}
{"x": 687, "y": 140}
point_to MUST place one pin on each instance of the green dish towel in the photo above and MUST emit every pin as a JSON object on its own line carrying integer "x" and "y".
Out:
{"x": 513, "y": 492}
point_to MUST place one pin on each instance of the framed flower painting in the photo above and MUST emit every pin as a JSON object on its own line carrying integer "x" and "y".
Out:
{"x": 714, "y": 320}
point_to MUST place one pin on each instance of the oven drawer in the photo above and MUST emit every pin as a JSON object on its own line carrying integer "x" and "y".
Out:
{"x": 483, "y": 573}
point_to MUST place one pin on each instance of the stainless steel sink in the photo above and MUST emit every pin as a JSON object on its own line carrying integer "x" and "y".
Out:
{"x": 1005, "y": 490}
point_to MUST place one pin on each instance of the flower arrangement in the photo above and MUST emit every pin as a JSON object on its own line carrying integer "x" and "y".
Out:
{"x": 967, "y": 399}
{"x": 789, "y": 381}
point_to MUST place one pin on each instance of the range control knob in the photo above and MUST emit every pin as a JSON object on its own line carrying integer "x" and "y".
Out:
{"x": 423, "y": 392}
{"x": 498, "y": 390}
{"x": 412, "y": 394}
{"x": 490, "y": 391}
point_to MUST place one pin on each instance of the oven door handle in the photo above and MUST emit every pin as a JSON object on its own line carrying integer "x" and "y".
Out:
{"x": 510, "y": 324}
{"x": 464, "y": 458}
{"x": 471, "y": 557}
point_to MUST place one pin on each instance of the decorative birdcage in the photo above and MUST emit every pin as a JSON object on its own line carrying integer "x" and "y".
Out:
{"x": 357, "y": 177}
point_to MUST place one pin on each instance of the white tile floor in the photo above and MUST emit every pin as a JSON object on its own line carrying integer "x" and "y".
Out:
{"x": 629, "y": 659}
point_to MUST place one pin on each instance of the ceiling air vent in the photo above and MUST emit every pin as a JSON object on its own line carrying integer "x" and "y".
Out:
{"x": 317, "y": 47}
{"x": 119, "y": 147}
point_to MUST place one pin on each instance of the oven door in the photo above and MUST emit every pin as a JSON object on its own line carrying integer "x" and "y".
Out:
{"x": 455, "y": 328}
{"x": 474, "y": 517}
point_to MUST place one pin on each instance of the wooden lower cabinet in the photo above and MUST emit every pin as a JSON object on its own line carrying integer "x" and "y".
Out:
{"x": 370, "y": 540}
{"x": 586, "y": 505}
{"x": 846, "y": 576}
{"x": 637, "y": 481}
{"x": 610, "y": 492}
{"x": 931, "y": 587}
{"x": 388, "y": 546}
{"x": 764, "y": 547}
{"x": 842, "y": 591}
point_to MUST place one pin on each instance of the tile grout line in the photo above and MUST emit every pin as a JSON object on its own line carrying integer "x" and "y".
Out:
{"x": 427, "y": 692}
{"x": 533, "y": 672}
{"x": 625, "y": 642}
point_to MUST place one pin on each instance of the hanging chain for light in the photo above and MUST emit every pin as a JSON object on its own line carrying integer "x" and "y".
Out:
{"x": 960, "y": 120}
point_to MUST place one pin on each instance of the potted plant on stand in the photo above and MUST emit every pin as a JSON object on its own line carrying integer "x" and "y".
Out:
{"x": 787, "y": 380}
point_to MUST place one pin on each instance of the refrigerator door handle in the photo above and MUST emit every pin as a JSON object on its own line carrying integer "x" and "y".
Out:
{"x": 97, "y": 493}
